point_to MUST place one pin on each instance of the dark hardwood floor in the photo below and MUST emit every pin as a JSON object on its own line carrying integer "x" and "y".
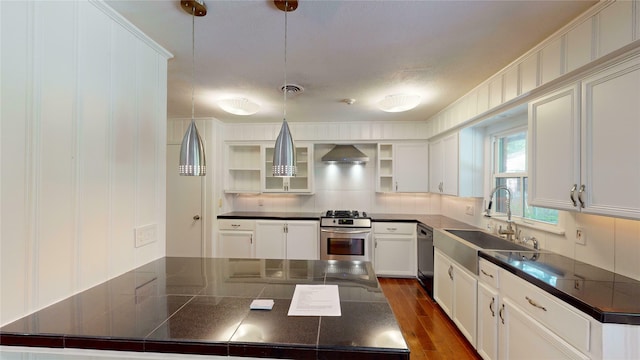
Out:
{"x": 427, "y": 330}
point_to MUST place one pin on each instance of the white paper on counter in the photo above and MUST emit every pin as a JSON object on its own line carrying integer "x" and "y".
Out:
{"x": 315, "y": 300}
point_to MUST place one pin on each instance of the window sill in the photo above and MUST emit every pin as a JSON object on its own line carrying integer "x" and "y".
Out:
{"x": 553, "y": 229}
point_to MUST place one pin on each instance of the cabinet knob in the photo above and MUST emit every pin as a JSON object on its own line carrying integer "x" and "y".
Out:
{"x": 196, "y": 217}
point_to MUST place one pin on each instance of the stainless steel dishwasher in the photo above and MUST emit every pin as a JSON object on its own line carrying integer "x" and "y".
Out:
{"x": 425, "y": 258}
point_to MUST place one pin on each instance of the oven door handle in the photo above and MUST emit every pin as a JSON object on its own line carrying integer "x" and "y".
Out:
{"x": 346, "y": 232}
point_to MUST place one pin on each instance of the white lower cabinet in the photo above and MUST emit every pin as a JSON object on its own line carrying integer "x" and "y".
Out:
{"x": 395, "y": 249}
{"x": 489, "y": 305}
{"x": 292, "y": 239}
{"x": 517, "y": 320}
{"x": 455, "y": 290}
{"x": 522, "y": 337}
{"x": 236, "y": 239}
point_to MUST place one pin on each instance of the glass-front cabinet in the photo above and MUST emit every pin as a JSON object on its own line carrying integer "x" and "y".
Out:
{"x": 249, "y": 170}
{"x": 301, "y": 183}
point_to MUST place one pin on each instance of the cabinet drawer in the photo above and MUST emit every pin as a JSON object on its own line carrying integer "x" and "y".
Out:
{"x": 489, "y": 274}
{"x": 231, "y": 224}
{"x": 394, "y": 228}
{"x": 557, "y": 316}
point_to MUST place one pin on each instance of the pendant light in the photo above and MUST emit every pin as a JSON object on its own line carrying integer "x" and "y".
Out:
{"x": 192, "y": 158}
{"x": 284, "y": 153}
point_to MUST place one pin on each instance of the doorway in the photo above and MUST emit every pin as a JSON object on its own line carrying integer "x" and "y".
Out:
{"x": 184, "y": 209}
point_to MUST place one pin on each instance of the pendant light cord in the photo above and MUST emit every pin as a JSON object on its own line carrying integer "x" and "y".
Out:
{"x": 193, "y": 60}
{"x": 286, "y": 9}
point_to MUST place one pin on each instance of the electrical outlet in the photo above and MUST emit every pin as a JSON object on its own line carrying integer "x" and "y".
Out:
{"x": 581, "y": 237}
{"x": 469, "y": 210}
{"x": 145, "y": 235}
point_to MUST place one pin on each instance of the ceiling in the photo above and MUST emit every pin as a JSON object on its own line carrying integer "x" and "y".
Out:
{"x": 336, "y": 50}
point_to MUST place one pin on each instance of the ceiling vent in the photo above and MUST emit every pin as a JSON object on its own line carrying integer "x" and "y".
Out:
{"x": 292, "y": 89}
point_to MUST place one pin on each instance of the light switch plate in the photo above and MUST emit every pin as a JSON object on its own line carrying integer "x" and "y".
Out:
{"x": 145, "y": 235}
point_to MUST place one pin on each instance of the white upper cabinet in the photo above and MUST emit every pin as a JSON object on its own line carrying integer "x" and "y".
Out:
{"x": 554, "y": 149}
{"x": 248, "y": 170}
{"x": 456, "y": 164}
{"x": 301, "y": 183}
{"x": 403, "y": 168}
{"x": 610, "y": 168}
{"x": 584, "y": 144}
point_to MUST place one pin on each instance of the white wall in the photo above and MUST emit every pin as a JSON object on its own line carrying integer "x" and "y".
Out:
{"x": 82, "y": 147}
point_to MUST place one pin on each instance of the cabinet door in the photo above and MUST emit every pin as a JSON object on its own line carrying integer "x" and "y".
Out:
{"x": 436, "y": 158}
{"x": 554, "y": 149}
{"x": 464, "y": 303}
{"x": 411, "y": 168}
{"x": 443, "y": 282}
{"x": 488, "y": 307}
{"x": 301, "y": 183}
{"x": 303, "y": 240}
{"x": 522, "y": 337}
{"x": 611, "y": 126}
{"x": 395, "y": 255}
{"x": 270, "y": 240}
{"x": 235, "y": 244}
{"x": 450, "y": 165}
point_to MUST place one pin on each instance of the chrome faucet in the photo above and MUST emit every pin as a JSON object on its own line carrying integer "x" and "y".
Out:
{"x": 509, "y": 232}
{"x": 534, "y": 241}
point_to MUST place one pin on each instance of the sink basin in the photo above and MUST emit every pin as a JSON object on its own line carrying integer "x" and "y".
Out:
{"x": 463, "y": 245}
{"x": 487, "y": 241}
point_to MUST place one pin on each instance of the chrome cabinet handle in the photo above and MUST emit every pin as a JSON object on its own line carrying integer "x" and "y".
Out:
{"x": 235, "y": 225}
{"x": 441, "y": 186}
{"x": 580, "y": 192}
{"x": 396, "y": 186}
{"x": 535, "y": 304}
{"x": 573, "y": 190}
{"x": 493, "y": 301}
{"x": 251, "y": 238}
{"x": 486, "y": 273}
{"x": 450, "y": 272}
{"x": 501, "y": 313}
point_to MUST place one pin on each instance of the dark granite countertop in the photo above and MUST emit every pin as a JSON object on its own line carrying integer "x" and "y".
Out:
{"x": 606, "y": 296}
{"x": 270, "y": 215}
{"x": 201, "y": 306}
{"x": 431, "y": 221}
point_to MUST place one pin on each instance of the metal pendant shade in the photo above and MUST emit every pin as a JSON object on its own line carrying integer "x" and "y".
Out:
{"x": 192, "y": 158}
{"x": 284, "y": 153}
{"x": 193, "y": 161}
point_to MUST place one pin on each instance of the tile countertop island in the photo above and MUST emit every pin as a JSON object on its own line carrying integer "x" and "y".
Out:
{"x": 201, "y": 306}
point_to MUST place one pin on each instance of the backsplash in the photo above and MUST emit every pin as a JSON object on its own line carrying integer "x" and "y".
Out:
{"x": 612, "y": 244}
{"x": 341, "y": 186}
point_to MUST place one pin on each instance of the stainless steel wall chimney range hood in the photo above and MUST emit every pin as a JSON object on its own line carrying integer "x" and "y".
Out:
{"x": 346, "y": 154}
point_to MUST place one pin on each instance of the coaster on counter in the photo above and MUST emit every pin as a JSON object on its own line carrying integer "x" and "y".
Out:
{"x": 261, "y": 304}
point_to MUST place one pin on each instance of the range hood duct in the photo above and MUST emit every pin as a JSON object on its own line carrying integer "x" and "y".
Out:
{"x": 346, "y": 154}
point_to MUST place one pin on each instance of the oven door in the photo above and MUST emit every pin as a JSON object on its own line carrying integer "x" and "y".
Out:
{"x": 345, "y": 244}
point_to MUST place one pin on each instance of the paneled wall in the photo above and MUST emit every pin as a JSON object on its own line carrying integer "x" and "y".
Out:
{"x": 82, "y": 146}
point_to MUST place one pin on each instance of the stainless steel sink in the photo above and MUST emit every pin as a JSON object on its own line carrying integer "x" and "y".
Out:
{"x": 463, "y": 245}
{"x": 487, "y": 241}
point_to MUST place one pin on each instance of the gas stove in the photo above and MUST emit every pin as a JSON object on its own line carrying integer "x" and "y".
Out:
{"x": 345, "y": 218}
{"x": 344, "y": 214}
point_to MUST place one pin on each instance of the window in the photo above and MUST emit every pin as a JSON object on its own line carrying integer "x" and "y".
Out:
{"x": 510, "y": 170}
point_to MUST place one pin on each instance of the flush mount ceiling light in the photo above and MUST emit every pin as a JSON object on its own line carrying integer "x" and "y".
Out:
{"x": 192, "y": 157}
{"x": 399, "y": 102}
{"x": 239, "y": 106}
{"x": 284, "y": 153}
